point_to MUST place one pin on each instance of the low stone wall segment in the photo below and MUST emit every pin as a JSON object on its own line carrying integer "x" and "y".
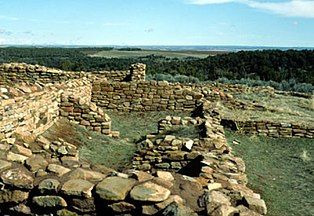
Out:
{"x": 21, "y": 72}
{"x": 271, "y": 129}
{"x": 54, "y": 181}
{"x": 144, "y": 96}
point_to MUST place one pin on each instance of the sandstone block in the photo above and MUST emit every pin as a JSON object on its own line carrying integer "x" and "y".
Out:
{"x": 49, "y": 201}
{"x": 77, "y": 187}
{"x": 149, "y": 191}
{"x": 58, "y": 169}
{"x": 114, "y": 188}
{"x": 48, "y": 186}
{"x": 13, "y": 196}
{"x": 36, "y": 162}
{"x": 17, "y": 178}
{"x": 4, "y": 165}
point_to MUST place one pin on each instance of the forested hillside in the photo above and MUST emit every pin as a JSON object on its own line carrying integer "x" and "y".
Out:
{"x": 263, "y": 65}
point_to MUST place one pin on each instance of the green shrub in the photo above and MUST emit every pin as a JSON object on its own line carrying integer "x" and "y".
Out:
{"x": 290, "y": 85}
{"x": 177, "y": 78}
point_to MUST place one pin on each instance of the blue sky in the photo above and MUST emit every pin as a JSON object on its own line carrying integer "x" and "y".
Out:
{"x": 158, "y": 22}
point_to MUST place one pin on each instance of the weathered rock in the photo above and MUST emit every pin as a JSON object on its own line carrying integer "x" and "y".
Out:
{"x": 216, "y": 199}
{"x": 16, "y": 157}
{"x": 62, "y": 150}
{"x": 122, "y": 207}
{"x": 36, "y": 162}
{"x": 65, "y": 212}
{"x": 224, "y": 210}
{"x": 244, "y": 211}
{"x": 21, "y": 209}
{"x": 43, "y": 141}
{"x": 141, "y": 176}
{"x": 188, "y": 144}
{"x": 49, "y": 201}
{"x": 176, "y": 209}
{"x": 58, "y": 169}
{"x": 70, "y": 161}
{"x": 255, "y": 204}
{"x": 17, "y": 178}
{"x": 77, "y": 187}
{"x": 13, "y": 196}
{"x": 149, "y": 210}
{"x": 149, "y": 191}
{"x": 214, "y": 186}
{"x": 162, "y": 182}
{"x": 88, "y": 175}
{"x": 171, "y": 199}
{"x": 114, "y": 188}
{"x": 41, "y": 173}
{"x": 165, "y": 175}
{"x": 22, "y": 150}
{"x": 4, "y": 165}
{"x": 83, "y": 205}
{"x": 48, "y": 186}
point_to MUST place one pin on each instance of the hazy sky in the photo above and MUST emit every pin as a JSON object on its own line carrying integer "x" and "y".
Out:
{"x": 158, "y": 22}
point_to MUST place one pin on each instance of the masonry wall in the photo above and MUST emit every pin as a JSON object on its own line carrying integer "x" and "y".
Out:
{"x": 271, "y": 129}
{"x": 28, "y": 110}
{"x": 144, "y": 96}
{"x": 21, "y": 72}
{"x": 167, "y": 152}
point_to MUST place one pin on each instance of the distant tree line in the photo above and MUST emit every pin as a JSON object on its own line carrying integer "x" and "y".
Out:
{"x": 264, "y": 65}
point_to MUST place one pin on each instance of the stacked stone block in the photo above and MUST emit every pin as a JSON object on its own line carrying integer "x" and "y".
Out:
{"x": 28, "y": 110}
{"x": 167, "y": 152}
{"x": 22, "y": 72}
{"x": 274, "y": 129}
{"x": 144, "y": 96}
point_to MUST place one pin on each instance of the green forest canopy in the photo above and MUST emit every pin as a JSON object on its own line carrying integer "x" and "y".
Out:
{"x": 276, "y": 65}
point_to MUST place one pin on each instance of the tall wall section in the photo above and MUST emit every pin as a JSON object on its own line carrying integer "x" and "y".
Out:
{"x": 144, "y": 96}
{"x": 28, "y": 110}
{"x": 21, "y": 72}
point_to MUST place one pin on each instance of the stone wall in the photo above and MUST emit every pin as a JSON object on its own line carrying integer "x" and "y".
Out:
{"x": 144, "y": 96}
{"x": 168, "y": 152}
{"x": 136, "y": 73}
{"x": 46, "y": 177}
{"x": 28, "y": 109}
{"x": 21, "y": 72}
{"x": 271, "y": 129}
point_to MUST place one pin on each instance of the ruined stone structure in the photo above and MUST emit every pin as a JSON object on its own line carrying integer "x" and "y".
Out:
{"x": 51, "y": 178}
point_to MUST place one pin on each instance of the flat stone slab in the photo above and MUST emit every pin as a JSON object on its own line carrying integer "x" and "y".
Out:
{"x": 255, "y": 204}
{"x": 13, "y": 196}
{"x": 5, "y": 165}
{"x": 36, "y": 162}
{"x": 77, "y": 187}
{"x": 89, "y": 175}
{"x": 114, "y": 188}
{"x": 49, "y": 201}
{"x": 48, "y": 186}
{"x": 16, "y": 157}
{"x": 165, "y": 175}
{"x": 58, "y": 169}
{"x": 17, "y": 178}
{"x": 149, "y": 191}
